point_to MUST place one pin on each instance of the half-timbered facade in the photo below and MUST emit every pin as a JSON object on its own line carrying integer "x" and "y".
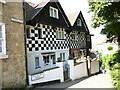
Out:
{"x": 79, "y": 35}
{"x": 47, "y": 37}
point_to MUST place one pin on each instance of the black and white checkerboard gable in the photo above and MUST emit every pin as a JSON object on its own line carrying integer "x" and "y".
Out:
{"x": 80, "y": 42}
{"x": 47, "y": 41}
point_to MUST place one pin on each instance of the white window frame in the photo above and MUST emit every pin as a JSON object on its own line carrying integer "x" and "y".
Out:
{"x": 79, "y": 22}
{"x": 60, "y": 34}
{"x": 52, "y": 13}
{"x": 62, "y": 56}
{"x": 3, "y": 39}
{"x": 50, "y": 63}
{"x": 36, "y": 67}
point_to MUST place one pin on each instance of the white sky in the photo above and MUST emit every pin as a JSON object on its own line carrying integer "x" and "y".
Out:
{"x": 70, "y": 6}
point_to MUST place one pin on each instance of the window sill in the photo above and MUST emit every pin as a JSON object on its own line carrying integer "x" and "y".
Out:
{"x": 73, "y": 39}
{"x": 60, "y": 39}
{"x": 3, "y": 56}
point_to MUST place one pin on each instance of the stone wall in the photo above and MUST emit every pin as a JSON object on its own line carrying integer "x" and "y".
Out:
{"x": 13, "y": 67}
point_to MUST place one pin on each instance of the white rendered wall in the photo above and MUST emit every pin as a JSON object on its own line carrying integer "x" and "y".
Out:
{"x": 50, "y": 75}
{"x": 77, "y": 71}
{"x": 94, "y": 67}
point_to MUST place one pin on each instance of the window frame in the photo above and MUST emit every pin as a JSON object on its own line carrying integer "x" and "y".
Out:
{"x": 62, "y": 56}
{"x": 52, "y": 13}
{"x": 75, "y": 35}
{"x": 60, "y": 35}
{"x": 38, "y": 64}
{"x": 76, "y": 54}
{"x": 79, "y": 22}
{"x": 3, "y": 39}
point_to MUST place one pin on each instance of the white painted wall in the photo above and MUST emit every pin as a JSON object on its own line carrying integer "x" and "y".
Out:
{"x": 51, "y": 75}
{"x": 80, "y": 70}
{"x": 94, "y": 67}
{"x": 77, "y": 71}
{"x": 31, "y": 61}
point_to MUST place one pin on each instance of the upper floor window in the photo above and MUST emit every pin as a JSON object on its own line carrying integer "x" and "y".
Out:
{"x": 2, "y": 39}
{"x": 53, "y": 12}
{"x": 88, "y": 38}
{"x": 60, "y": 34}
{"x": 79, "y": 23}
{"x": 74, "y": 36}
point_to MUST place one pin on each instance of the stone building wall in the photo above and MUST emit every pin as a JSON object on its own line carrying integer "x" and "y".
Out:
{"x": 13, "y": 67}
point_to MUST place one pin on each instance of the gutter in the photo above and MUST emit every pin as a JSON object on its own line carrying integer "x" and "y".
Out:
{"x": 25, "y": 47}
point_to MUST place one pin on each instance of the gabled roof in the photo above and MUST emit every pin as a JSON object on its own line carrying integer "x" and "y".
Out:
{"x": 39, "y": 8}
{"x": 72, "y": 17}
{"x": 29, "y": 8}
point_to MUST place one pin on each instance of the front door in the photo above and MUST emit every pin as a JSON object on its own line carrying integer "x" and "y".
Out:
{"x": 66, "y": 70}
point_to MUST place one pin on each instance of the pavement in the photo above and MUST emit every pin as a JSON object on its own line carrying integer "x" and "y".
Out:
{"x": 101, "y": 81}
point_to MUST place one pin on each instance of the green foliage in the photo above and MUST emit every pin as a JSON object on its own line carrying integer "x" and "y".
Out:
{"x": 106, "y": 14}
{"x": 112, "y": 62}
{"x": 115, "y": 74}
{"x": 110, "y": 48}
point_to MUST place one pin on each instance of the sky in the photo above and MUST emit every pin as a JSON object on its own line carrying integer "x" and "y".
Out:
{"x": 70, "y": 6}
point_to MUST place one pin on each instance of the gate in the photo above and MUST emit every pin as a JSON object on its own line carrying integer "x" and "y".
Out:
{"x": 66, "y": 70}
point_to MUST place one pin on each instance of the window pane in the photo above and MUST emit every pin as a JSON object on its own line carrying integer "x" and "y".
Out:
{"x": 55, "y": 13}
{"x": 39, "y": 33}
{"x": 46, "y": 59}
{"x": 57, "y": 34}
{"x": 51, "y": 12}
{"x": 63, "y": 56}
{"x": 0, "y": 45}
{"x": 0, "y": 31}
{"x": 37, "y": 62}
{"x": 0, "y": 48}
{"x": 53, "y": 58}
{"x": 62, "y": 35}
{"x": 79, "y": 22}
{"x": 0, "y": 42}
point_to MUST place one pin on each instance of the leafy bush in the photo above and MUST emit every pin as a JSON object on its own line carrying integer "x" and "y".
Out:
{"x": 110, "y": 48}
{"x": 115, "y": 74}
{"x": 112, "y": 62}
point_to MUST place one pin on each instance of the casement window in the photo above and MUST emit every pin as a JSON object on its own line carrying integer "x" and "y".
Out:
{"x": 37, "y": 63}
{"x": 53, "y": 12}
{"x": 60, "y": 34}
{"x": 62, "y": 56}
{"x": 53, "y": 59}
{"x": 49, "y": 60}
{"x": 79, "y": 23}
{"x": 73, "y": 36}
{"x": 28, "y": 32}
{"x": 88, "y": 38}
{"x": 46, "y": 60}
{"x": 2, "y": 39}
{"x": 75, "y": 54}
